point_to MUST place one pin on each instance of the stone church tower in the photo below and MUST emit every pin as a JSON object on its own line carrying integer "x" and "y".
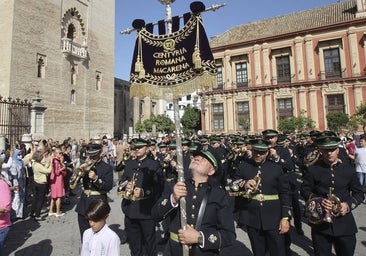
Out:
{"x": 62, "y": 51}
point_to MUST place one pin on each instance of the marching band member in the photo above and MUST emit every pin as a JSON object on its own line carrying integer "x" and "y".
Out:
{"x": 336, "y": 183}
{"x": 210, "y": 224}
{"x": 97, "y": 181}
{"x": 143, "y": 180}
{"x": 266, "y": 210}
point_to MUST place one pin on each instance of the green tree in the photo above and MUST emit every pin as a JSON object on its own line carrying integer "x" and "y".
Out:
{"x": 139, "y": 127}
{"x": 190, "y": 120}
{"x": 163, "y": 124}
{"x": 337, "y": 120}
{"x": 244, "y": 124}
{"x": 353, "y": 124}
{"x": 293, "y": 124}
{"x": 287, "y": 125}
{"x": 360, "y": 116}
{"x": 303, "y": 122}
{"x": 148, "y": 123}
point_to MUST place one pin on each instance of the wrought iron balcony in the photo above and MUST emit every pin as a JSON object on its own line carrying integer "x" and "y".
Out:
{"x": 69, "y": 47}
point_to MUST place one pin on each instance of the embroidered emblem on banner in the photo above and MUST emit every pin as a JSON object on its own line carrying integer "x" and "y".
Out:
{"x": 170, "y": 66}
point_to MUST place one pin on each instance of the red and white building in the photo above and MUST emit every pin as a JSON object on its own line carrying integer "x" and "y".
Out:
{"x": 313, "y": 61}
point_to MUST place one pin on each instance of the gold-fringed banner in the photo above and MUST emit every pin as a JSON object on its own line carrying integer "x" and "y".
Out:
{"x": 173, "y": 65}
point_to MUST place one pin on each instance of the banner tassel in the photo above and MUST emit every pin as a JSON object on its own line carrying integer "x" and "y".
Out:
{"x": 139, "y": 65}
{"x": 196, "y": 58}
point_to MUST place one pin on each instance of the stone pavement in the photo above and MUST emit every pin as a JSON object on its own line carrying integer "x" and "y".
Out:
{"x": 60, "y": 236}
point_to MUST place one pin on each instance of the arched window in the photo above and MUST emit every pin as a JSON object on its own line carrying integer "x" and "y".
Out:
{"x": 73, "y": 96}
{"x": 71, "y": 31}
{"x": 98, "y": 81}
{"x": 73, "y": 74}
{"x": 41, "y": 68}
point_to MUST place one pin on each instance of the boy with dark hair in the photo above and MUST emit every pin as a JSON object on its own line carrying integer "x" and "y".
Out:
{"x": 99, "y": 239}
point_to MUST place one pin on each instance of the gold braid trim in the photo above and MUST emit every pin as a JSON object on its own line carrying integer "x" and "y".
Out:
{"x": 205, "y": 81}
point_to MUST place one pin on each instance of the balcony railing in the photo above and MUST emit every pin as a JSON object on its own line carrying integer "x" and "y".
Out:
{"x": 72, "y": 48}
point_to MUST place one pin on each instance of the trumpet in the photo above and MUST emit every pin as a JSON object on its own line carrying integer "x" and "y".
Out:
{"x": 122, "y": 188}
{"x": 336, "y": 207}
{"x": 235, "y": 188}
{"x": 79, "y": 172}
{"x": 126, "y": 156}
{"x": 250, "y": 192}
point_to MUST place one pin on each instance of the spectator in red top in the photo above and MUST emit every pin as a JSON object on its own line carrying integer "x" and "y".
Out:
{"x": 351, "y": 147}
{"x": 57, "y": 183}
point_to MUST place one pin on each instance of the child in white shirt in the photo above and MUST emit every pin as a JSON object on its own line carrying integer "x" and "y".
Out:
{"x": 99, "y": 239}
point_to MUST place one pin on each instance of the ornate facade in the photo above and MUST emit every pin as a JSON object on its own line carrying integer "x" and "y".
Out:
{"x": 311, "y": 61}
{"x": 63, "y": 52}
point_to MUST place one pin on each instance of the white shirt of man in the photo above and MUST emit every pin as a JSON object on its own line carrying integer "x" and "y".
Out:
{"x": 103, "y": 243}
{"x": 360, "y": 159}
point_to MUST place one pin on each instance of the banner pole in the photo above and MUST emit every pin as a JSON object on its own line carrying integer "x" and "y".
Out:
{"x": 178, "y": 135}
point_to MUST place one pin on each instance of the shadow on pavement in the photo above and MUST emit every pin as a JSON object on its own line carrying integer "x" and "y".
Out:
{"x": 237, "y": 249}
{"x": 43, "y": 248}
{"x": 301, "y": 241}
{"x": 18, "y": 235}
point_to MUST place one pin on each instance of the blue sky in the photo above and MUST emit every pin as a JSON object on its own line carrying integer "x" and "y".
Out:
{"x": 236, "y": 12}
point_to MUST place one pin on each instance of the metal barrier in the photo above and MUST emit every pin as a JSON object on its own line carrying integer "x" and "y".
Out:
{"x": 15, "y": 118}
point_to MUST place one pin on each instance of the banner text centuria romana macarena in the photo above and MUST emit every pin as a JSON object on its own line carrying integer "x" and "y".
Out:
{"x": 170, "y": 66}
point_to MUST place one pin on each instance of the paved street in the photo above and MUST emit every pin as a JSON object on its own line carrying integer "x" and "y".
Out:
{"x": 60, "y": 236}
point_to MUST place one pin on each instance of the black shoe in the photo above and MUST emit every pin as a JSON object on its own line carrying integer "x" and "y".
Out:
{"x": 39, "y": 218}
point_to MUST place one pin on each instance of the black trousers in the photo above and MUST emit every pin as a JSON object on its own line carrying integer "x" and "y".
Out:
{"x": 83, "y": 225}
{"x": 141, "y": 236}
{"x": 38, "y": 198}
{"x": 266, "y": 240}
{"x": 343, "y": 245}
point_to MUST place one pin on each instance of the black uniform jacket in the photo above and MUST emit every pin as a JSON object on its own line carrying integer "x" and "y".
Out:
{"x": 285, "y": 159}
{"x": 148, "y": 177}
{"x": 217, "y": 222}
{"x": 103, "y": 184}
{"x": 265, "y": 214}
{"x": 347, "y": 188}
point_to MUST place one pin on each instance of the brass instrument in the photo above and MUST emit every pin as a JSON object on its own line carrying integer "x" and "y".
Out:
{"x": 250, "y": 192}
{"x": 312, "y": 157}
{"x": 336, "y": 207}
{"x": 120, "y": 164}
{"x": 79, "y": 172}
{"x": 235, "y": 188}
{"x": 126, "y": 155}
{"x": 315, "y": 212}
{"x": 127, "y": 193}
